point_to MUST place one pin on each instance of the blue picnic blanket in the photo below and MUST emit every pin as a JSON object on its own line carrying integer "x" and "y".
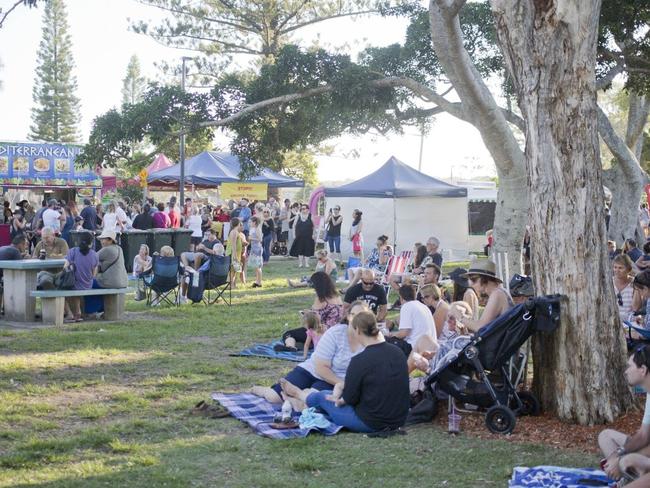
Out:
{"x": 557, "y": 477}
{"x": 266, "y": 351}
{"x": 258, "y": 414}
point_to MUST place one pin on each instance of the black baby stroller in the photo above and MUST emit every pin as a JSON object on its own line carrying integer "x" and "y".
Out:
{"x": 484, "y": 370}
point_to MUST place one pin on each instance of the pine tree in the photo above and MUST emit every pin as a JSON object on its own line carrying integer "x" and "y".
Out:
{"x": 134, "y": 84}
{"x": 56, "y": 111}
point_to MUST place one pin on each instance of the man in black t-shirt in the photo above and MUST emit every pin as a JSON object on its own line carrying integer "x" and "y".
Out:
{"x": 370, "y": 292}
{"x": 203, "y": 251}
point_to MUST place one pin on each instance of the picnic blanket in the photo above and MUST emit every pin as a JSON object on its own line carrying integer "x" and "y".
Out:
{"x": 258, "y": 414}
{"x": 558, "y": 477}
{"x": 266, "y": 351}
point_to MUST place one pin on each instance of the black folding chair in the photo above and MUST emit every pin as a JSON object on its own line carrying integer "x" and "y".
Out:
{"x": 217, "y": 281}
{"x": 164, "y": 279}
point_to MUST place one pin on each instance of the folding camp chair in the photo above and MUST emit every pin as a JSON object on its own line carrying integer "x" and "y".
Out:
{"x": 217, "y": 281}
{"x": 396, "y": 265}
{"x": 164, "y": 279}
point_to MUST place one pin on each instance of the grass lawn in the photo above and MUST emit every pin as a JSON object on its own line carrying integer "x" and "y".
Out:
{"x": 107, "y": 404}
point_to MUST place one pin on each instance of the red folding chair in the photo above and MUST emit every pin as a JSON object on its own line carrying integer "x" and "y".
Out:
{"x": 396, "y": 265}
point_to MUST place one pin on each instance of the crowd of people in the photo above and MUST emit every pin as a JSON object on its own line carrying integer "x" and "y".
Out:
{"x": 359, "y": 371}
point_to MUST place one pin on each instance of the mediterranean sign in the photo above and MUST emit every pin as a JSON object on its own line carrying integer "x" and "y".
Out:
{"x": 239, "y": 190}
{"x": 41, "y": 164}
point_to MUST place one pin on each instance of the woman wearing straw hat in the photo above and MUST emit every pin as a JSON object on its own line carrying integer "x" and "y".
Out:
{"x": 484, "y": 281}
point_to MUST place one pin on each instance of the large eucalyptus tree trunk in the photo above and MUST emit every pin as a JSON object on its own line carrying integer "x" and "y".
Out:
{"x": 550, "y": 49}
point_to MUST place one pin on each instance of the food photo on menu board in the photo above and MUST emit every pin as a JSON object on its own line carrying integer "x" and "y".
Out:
{"x": 42, "y": 165}
{"x": 62, "y": 165}
{"x": 4, "y": 165}
{"x": 21, "y": 165}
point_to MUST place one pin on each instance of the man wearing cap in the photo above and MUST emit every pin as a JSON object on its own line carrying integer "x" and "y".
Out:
{"x": 484, "y": 281}
{"x": 243, "y": 213}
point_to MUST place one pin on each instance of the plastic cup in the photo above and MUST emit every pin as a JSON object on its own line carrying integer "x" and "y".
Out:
{"x": 454, "y": 423}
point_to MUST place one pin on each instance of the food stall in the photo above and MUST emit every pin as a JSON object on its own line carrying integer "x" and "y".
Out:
{"x": 35, "y": 170}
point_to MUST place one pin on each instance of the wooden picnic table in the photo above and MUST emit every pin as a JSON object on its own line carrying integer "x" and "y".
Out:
{"x": 19, "y": 281}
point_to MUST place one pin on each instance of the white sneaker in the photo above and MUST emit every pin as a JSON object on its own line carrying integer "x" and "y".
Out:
{"x": 182, "y": 300}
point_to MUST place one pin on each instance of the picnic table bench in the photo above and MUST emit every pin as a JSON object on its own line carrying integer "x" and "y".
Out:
{"x": 53, "y": 302}
{"x": 19, "y": 281}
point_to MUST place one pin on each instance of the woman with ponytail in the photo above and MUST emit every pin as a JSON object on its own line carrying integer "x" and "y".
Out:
{"x": 84, "y": 261}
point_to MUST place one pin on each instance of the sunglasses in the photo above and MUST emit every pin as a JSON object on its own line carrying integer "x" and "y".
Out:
{"x": 366, "y": 283}
{"x": 619, "y": 299}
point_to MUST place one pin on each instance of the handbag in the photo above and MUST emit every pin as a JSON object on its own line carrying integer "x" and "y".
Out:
{"x": 64, "y": 280}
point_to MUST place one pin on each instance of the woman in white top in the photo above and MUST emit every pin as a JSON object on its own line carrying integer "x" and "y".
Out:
{"x": 623, "y": 285}
{"x": 110, "y": 221}
{"x": 194, "y": 224}
{"x": 142, "y": 261}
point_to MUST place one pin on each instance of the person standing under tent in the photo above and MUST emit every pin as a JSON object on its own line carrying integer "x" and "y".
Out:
{"x": 333, "y": 226}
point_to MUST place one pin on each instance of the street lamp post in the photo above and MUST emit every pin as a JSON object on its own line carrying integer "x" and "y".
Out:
{"x": 182, "y": 143}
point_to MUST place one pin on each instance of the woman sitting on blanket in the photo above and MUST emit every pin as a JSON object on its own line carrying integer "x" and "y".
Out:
{"x": 327, "y": 304}
{"x": 374, "y": 396}
{"x": 323, "y": 263}
{"x": 328, "y": 363}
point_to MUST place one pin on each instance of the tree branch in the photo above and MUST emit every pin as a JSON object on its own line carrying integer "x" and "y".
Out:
{"x": 455, "y": 6}
{"x": 200, "y": 17}
{"x": 625, "y": 157}
{"x": 607, "y": 80}
{"x": 11, "y": 9}
{"x": 455, "y": 109}
{"x": 637, "y": 117}
{"x": 328, "y": 17}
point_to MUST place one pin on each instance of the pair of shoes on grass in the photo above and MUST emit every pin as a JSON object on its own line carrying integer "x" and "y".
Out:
{"x": 215, "y": 411}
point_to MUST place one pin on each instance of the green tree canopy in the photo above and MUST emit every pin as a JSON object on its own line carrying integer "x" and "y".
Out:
{"x": 56, "y": 107}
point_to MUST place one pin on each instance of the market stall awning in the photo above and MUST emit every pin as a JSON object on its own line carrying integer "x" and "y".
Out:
{"x": 210, "y": 169}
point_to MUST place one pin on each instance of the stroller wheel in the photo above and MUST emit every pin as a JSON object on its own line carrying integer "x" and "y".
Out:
{"x": 499, "y": 419}
{"x": 530, "y": 404}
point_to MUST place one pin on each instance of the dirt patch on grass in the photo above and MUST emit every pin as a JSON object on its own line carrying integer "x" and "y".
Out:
{"x": 544, "y": 429}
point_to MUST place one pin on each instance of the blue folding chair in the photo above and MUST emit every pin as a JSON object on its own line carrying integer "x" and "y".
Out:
{"x": 163, "y": 280}
{"x": 217, "y": 281}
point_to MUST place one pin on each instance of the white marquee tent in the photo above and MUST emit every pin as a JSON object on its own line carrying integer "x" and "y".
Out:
{"x": 407, "y": 206}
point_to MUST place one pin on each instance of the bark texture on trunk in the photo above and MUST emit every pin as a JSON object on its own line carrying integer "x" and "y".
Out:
{"x": 482, "y": 111}
{"x": 550, "y": 49}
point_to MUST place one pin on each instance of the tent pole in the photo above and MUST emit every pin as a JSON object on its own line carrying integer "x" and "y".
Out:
{"x": 394, "y": 226}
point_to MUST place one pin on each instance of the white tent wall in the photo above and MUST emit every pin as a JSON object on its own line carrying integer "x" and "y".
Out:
{"x": 416, "y": 220}
{"x": 444, "y": 218}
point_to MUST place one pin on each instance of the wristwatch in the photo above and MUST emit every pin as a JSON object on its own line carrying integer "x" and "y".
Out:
{"x": 621, "y": 451}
